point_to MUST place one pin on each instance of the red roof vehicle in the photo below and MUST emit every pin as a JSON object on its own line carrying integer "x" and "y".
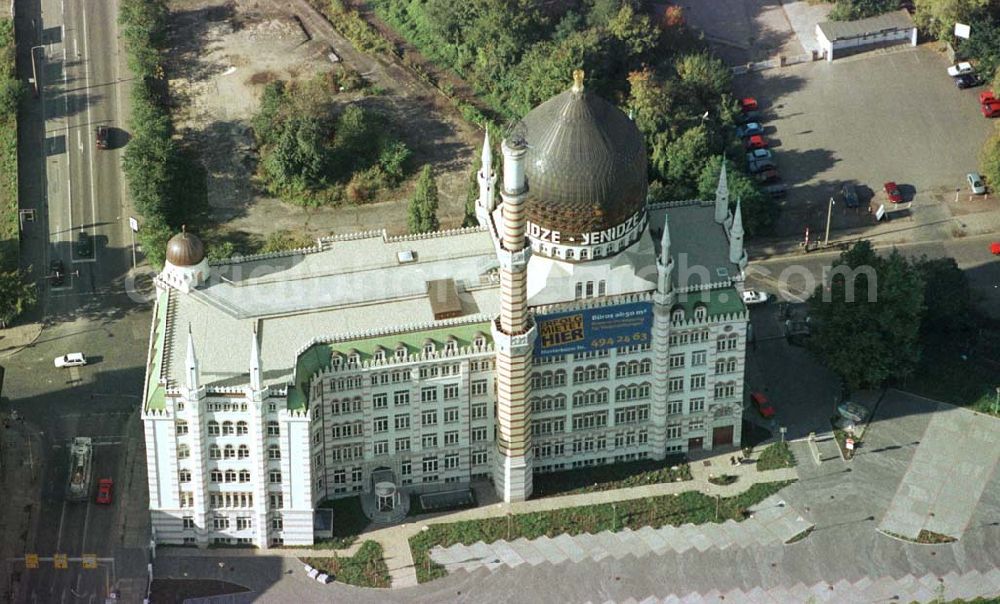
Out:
{"x": 892, "y": 192}
{"x": 987, "y": 97}
{"x": 755, "y": 142}
{"x": 763, "y": 405}
{"x": 104, "y": 487}
{"x": 991, "y": 109}
{"x": 748, "y": 104}
{"x": 995, "y": 248}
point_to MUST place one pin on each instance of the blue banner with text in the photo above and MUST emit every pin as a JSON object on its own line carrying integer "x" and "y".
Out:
{"x": 594, "y": 329}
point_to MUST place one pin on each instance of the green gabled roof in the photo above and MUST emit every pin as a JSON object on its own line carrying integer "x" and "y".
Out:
{"x": 718, "y": 301}
{"x": 155, "y": 393}
{"x": 317, "y": 357}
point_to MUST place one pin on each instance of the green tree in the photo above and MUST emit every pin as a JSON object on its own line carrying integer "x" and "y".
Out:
{"x": 867, "y": 317}
{"x": 704, "y": 78}
{"x": 424, "y": 204}
{"x": 947, "y": 297}
{"x": 17, "y": 294}
{"x": 296, "y": 162}
{"x": 686, "y": 157}
{"x": 267, "y": 122}
{"x": 153, "y": 236}
{"x": 759, "y": 210}
{"x": 851, "y": 10}
{"x": 989, "y": 160}
{"x": 938, "y": 17}
{"x": 633, "y": 30}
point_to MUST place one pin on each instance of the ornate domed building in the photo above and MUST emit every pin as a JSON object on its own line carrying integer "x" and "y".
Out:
{"x": 577, "y": 325}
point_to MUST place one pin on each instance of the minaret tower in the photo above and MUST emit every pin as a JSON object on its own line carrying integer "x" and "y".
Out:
{"x": 487, "y": 182}
{"x": 663, "y": 299}
{"x": 737, "y": 253}
{"x": 513, "y": 334}
{"x": 722, "y": 196}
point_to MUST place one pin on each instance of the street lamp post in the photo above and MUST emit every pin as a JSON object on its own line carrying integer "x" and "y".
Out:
{"x": 34, "y": 69}
{"x": 996, "y": 402}
{"x": 829, "y": 214}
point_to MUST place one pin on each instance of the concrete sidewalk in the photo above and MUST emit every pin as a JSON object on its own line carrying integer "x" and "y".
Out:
{"x": 395, "y": 539}
{"x": 14, "y": 339}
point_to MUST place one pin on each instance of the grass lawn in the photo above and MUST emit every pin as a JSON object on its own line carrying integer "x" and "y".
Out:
{"x": 9, "y": 229}
{"x": 615, "y": 476}
{"x": 348, "y": 522}
{"x": 673, "y": 510}
{"x": 366, "y": 568}
{"x": 778, "y": 455}
{"x": 942, "y": 375}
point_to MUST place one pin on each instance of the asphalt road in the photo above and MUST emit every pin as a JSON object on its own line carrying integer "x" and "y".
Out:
{"x": 74, "y": 187}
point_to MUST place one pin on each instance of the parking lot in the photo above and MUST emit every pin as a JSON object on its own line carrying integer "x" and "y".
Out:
{"x": 892, "y": 114}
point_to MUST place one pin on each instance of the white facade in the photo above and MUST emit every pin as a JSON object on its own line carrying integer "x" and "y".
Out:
{"x": 280, "y": 381}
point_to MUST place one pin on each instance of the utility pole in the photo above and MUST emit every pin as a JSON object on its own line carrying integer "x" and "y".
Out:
{"x": 829, "y": 214}
{"x": 133, "y": 225}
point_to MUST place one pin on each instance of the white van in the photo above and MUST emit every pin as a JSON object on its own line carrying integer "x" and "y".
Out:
{"x": 73, "y": 359}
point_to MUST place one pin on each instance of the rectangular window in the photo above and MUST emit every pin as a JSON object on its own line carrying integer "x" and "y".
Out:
{"x": 451, "y": 415}
{"x": 403, "y": 421}
{"x": 479, "y": 411}
{"x": 405, "y": 468}
{"x": 675, "y": 407}
{"x": 585, "y": 421}
{"x": 380, "y": 424}
{"x": 478, "y": 434}
{"x": 674, "y": 431}
{"x": 429, "y": 418}
{"x": 450, "y": 438}
{"x": 429, "y": 394}
{"x": 244, "y": 523}
{"x": 451, "y": 461}
{"x": 220, "y": 523}
{"x": 479, "y": 457}
{"x": 450, "y": 392}
{"x": 430, "y": 464}
{"x": 429, "y": 441}
{"x": 380, "y": 400}
{"x": 356, "y": 474}
{"x": 478, "y": 387}
{"x": 188, "y": 522}
{"x": 401, "y": 397}
{"x": 402, "y": 444}
{"x": 676, "y": 384}
{"x": 277, "y": 524}
{"x": 698, "y": 382}
{"x": 381, "y": 447}
{"x": 697, "y": 404}
{"x": 676, "y": 361}
{"x": 339, "y": 476}
{"x": 274, "y": 476}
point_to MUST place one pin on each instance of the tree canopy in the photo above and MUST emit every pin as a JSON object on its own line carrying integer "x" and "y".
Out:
{"x": 423, "y": 207}
{"x": 867, "y": 316}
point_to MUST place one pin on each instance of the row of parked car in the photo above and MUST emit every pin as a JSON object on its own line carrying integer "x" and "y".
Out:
{"x": 965, "y": 76}
{"x": 760, "y": 159}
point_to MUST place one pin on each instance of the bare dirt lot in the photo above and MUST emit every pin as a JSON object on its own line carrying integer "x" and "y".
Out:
{"x": 223, "y": 53}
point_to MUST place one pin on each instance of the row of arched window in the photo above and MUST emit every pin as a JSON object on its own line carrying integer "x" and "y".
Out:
{"x": 228, "y": 428}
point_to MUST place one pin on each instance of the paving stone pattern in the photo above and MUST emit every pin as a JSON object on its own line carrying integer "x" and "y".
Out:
{"x": 772, "y": 523}
{"x": 958, "y": 444}
{"x": 909, "y": 588}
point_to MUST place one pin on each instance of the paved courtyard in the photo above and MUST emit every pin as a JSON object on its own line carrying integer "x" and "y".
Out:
{"x": 891, "y": 114}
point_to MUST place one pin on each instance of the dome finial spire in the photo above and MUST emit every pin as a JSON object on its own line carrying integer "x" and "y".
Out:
{"x": 577, "y": 80}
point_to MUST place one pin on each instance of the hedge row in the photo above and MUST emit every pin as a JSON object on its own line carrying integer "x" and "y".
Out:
{"x": 165, "y": 181}
{"x": 11, "y": 91}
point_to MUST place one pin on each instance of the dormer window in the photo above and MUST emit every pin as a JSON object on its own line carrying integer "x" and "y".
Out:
{"x": 677, "y": 315}
{"x": 336, "y": 360}
{"x": 428, "y": 347}
{"x": 701, "y": 313}
{"x": 400, "y": 352}
{"x": 451, "y": 345}
{"x": 479, "y": 341}
{"x": 379, "y": 355}
{"x": 354, "y": 358}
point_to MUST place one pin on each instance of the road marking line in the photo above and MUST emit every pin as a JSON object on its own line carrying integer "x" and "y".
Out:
{"x": 90, "y": 154}
{"x": 62, "y": 518}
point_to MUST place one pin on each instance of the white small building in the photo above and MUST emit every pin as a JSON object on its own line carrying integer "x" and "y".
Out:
{"x": 388, "y": 366}
{"x": 835, "y": 37}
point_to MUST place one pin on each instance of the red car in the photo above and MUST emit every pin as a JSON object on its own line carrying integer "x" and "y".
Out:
{"x": 987, "y": 97}
{"x": 991, "y": 109}
{"x": 104, "y": 487}
{"x": 762, "y": 404}
{"x": 748, "y": 104}
{"x": 892, "y": 192}
{"x": 995, "y": 248}
{"x": 755, "y": 142}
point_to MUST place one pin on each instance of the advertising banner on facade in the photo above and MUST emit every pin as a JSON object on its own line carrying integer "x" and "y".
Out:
{"x": 594, "y": 329}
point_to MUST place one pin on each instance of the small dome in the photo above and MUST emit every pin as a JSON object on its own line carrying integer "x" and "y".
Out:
{"x": 586, "y": 164}
{"x": 185, "y": 249}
